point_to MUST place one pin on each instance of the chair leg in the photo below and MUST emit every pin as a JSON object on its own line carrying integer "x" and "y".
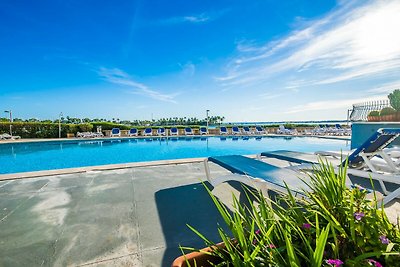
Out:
{"x": 207, "y": 170}
{"x": 391, "y": 196}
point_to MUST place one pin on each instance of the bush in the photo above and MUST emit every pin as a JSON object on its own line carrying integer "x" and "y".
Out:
{"x": 289, "y": 126}
{"x": 394, "y": 98}
{"x": 43, "y": 129}
{"x": 332, "y": 226}
{"x": 373, "y": 113}
{"x": 110, "y": 125}
{"x": 387, "y": 111}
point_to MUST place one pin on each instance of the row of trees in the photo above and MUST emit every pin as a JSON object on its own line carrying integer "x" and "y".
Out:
{"x": 159, "y": 122}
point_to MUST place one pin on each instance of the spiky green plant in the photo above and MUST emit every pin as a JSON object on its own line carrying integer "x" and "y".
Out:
{"x": 333, "y": 223}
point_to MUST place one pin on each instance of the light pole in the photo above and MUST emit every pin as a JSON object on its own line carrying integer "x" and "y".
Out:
{"x": 9, "y": 111}
{"x": 59, "y": 125}
{"x": 207, "y": 117}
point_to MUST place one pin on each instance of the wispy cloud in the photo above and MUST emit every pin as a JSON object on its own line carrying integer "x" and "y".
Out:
{"x": 329, "y": 105}
{"x": 269, "y": 96}
{"x": 188, "y": 69}
{"x": 119, "y": 77}
{"x": 199, "y": 18}
{"x": 385, "y": 88}
{"x": 195, "y": 19}
{"x": 349, "y": 43}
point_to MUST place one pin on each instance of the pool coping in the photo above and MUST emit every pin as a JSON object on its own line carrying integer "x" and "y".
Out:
{"x": 23, "y": 175}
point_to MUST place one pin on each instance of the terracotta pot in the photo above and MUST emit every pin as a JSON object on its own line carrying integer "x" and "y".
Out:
{"x": 390, "y": 117}
{"x": 200, "y": 258}
{"x": 373, "y": 118}
{"x": 397, "y": 116}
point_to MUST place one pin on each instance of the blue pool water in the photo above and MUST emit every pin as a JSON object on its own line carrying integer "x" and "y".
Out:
{"x": 35, "y": 156}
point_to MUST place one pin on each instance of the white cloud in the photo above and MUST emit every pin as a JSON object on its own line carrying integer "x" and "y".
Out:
{"x": 117, "y": 76}
{"x": 385, "y": 88}
{"x": 330, "y": 105}
{"x": 270, "y": 96}
{"x": 196, "y": 19}
{"x": 189, "y": 69}
{"x": 349, "y": 43}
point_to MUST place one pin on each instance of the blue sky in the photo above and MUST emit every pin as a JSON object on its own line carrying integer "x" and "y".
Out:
{"x": 245, "y": 60}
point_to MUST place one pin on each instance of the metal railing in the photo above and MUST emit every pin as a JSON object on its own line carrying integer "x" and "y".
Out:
{"x": 360, "y": 111}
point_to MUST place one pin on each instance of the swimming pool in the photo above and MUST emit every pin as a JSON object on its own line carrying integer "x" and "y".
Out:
{"x": 36, "y": 156}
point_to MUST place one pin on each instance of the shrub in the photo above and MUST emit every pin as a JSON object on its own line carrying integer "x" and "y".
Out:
{"x": 387, "y": 111}
{"x": 110, "y": 125}
{"x": 331, "y": 226}
{"x": 373, "y": 113}
{"x": 85, "y": 127}
{"x": 43, "y": 129}
{"x": 289, "y": 126}
{"x": 394, "y": 98}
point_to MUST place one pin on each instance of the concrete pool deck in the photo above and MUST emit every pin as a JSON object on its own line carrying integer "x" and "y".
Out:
{"x": 126, "y": 217}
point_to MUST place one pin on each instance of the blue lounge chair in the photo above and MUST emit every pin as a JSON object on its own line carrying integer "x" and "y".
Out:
{"x": 246, "y": 130}
{"x": 133, "y": 132}
{"x": 188, "y": 131}
{"x": 259, "y": 130}
{"x": 174, "y": 131}
{"x": 161, "y": 131}
{"x": 367, "y": 161}
{"x": 255, "y": 173}
{"x": 115, "y": 132}
{"x": 203, "y": 130}
{"x": 235, "y": 130}
{"x": 148, "y": 132}
{"x": 223, "y": 130}
{"x": 360, "y": 158}
{"x": 372, "y": 147}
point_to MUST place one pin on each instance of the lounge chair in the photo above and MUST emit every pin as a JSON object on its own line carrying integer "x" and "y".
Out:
{"x": 255, "y": 173}
{"x": 306, "y": 161}
{"x": 174, "y": 131}
{"x": 161, "y": 131}
{"x": 188, "y": 131}
{"x": 368, "y": 161}
{"x": 246, "y": 130}
{"x": 7, "y": 136}
{"x": 283, "y": 130}
{"x": 371, "y": 148}
{"x": 259, "y": 130}
{"x": 148, "y": 132}
{"x": 133, "y": 132}
{"x": 115, "y": 132}
{"x": 223, "y": 130}
{"x": 235, "y": 130}
{"x": 203, "y": 130}
{"x": 86, "y": 135}
{"x": 98, "y": 135}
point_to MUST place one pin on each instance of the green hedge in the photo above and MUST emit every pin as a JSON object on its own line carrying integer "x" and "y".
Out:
{"x": 43, "y": 129}
{"x": 387, "y": 111}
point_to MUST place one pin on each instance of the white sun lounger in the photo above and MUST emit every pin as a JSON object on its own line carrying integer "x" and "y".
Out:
{"x": 7, "y": 136}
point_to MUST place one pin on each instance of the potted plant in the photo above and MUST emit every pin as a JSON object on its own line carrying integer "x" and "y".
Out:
{"x": 387, "y": 114}
{"x": 373, "y": 115}
{"x": 333, "y": 225}
{"x": 394, "y": 99}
